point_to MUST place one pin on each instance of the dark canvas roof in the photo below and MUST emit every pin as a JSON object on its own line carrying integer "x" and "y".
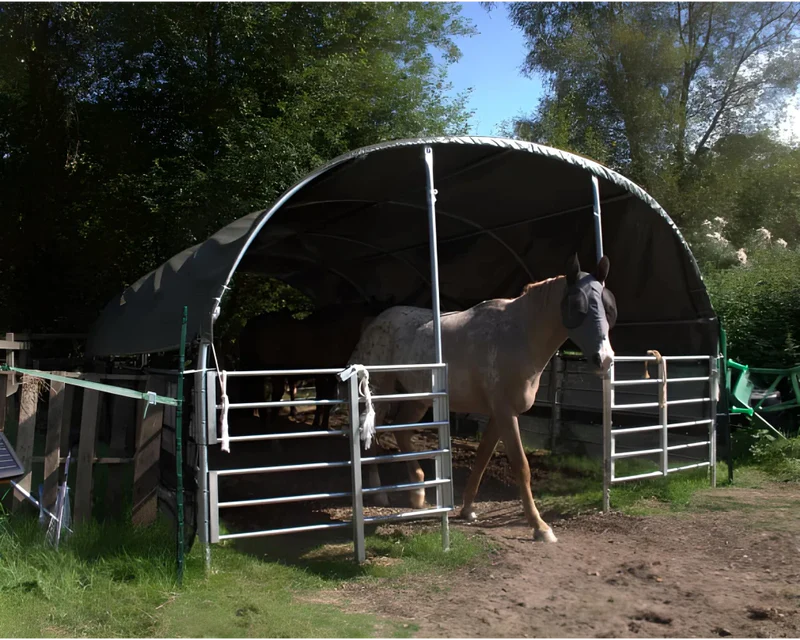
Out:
{"x": 508, "y": 212}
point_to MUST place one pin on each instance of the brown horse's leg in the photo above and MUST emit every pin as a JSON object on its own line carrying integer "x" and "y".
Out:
{"x": 509, "y": 433}
{"x": 278, "y": 386}
{"x": 326, "y": 389}
{"x": 486, "y": 448}
{"x": 373, "y": 475}
{"x": 293, "y": 396}
{"x": 411, "y": 412}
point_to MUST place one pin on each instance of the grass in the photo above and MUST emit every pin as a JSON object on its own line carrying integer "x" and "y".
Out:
{"x": 112, "y": 580}
{"x": 573, "y": 484}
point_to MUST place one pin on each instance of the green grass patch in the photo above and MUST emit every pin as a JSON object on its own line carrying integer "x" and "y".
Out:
{"x": 573, "y": 484}
{"x": 113, "y": 580}
{"x": 780, "y": 459}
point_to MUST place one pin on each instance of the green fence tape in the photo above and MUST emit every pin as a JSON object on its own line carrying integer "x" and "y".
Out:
{"x": 151, "y": 397}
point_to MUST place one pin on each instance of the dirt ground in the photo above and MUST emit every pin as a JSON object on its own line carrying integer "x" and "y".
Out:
{"x": 730, "y": 567}
{"x": 710, "y": 574}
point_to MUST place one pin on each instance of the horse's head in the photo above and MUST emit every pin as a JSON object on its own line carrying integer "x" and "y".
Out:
{"x": 589, "y": 312}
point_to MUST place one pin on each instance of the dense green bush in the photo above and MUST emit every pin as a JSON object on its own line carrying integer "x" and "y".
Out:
{"x": 759, "y": 306}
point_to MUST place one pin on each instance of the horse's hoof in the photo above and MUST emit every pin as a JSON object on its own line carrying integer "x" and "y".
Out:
{"x": 418, "y": 499}
{"x": 380, "y": 500}
{"x": 544, "y": 535}
{"x": 469, "y": 515}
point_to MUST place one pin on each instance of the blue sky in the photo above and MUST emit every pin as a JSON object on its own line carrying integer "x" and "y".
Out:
{"x": 490, "y": 64}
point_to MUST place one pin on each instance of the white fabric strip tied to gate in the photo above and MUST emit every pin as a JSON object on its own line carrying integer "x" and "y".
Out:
{"x": 223, "y": 384}
{"x": 367, "y": 419}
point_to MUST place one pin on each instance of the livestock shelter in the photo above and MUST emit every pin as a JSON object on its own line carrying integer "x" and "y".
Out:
{"x": 507, "y": 213}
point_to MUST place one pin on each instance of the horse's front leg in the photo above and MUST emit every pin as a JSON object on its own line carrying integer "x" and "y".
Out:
{"x": 486, "y": 448}
{"x": 508, "y": 427}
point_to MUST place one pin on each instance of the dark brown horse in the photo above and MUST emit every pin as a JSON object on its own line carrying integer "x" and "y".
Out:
{"x": 325, "y": 339}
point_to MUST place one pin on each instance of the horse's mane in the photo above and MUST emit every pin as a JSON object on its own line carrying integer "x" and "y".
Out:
{"x": 543, "y": 289}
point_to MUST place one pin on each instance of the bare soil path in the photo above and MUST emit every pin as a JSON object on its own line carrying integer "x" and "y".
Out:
{"x": 701, "y": 574}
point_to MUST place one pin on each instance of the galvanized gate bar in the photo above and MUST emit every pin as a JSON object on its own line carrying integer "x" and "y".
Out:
{"x": 287, "y": 436}
{"x": 329, "y": 371}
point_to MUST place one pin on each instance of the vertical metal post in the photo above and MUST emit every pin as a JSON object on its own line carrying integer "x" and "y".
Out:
{"x": 556, "y": 383}
{"x": 355, "y": 468}
{"x": 179, "y": 446}
{"x": 431, "y": 192}
{"x": 598, "y": 224}
{"x": 608, "y": 446}
{"x": 443, "y": 462}
{"x": 200, "y": 418}
{"x": 713, "y": 393}
{"x": 663, "y": 417}
{"x": 440, "y": 407}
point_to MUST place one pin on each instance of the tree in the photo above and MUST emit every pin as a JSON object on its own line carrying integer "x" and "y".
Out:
{"x": 655, "y": 85}
{"x": 131, "y": 131}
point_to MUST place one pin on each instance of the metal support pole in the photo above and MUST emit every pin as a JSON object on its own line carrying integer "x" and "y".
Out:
{"x": 663, "y": 416}
{"x": 713, "y": 393}
{"x": 443, "y": 412}
{"x": 437, "y": 320}
{"x": 598, "y": 223}
{"x": 443, "y": 462}
{"x": 557, "y": 366}
{"x": 355, "y": 469}
{"x": 179, "y": 446}
{"x": 607, "y": 442}
{"x": 200, "y": 421}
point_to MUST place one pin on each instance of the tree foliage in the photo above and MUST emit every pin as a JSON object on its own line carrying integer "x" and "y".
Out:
{"x": 131, "y": 131}
{"x": 651, "y": 86}
{"x": 759, "y": 304}
{"x": 685, "y": 99}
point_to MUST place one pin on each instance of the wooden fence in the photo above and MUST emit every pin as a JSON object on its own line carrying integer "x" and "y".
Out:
{"x": 112, "y": 438}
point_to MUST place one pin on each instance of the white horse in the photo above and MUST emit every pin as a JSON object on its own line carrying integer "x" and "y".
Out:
{"x": 496, "y": 352}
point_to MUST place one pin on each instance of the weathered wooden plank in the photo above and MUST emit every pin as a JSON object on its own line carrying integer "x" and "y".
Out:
{"x": 111, "y": 461}
{"x": 123, "y": 420}
{"x": 12, "y": 385}
{"x": 25, "y": 433}
{"x": 86, "y": 447}
{"x": 146, "y": 458}
{"x": 14, "y": 345}
{"x": 3, "y": 401}
{"x": 55, "y": 419}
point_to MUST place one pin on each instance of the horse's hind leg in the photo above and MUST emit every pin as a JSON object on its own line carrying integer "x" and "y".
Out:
{"x": 373, "y": 477}
{"x": 409, "y": 413}
{"x": 293, "y": 382}
{"x": 509, "y": 433}
{"x": 486, "y": 448}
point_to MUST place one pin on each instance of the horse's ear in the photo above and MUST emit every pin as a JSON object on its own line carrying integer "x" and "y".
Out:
{"x": 601, "y": 271}
{"x": 573, "y": 269}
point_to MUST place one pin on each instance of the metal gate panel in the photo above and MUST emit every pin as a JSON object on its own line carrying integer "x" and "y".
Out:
{"x": 442, "y": 456}
{"x": 663, "y": 426}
